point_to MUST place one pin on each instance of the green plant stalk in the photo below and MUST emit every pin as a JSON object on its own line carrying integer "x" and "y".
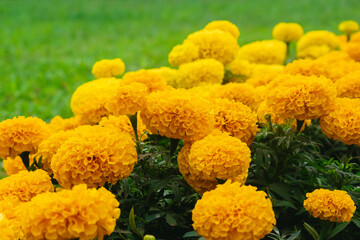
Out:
{"x": 287, "y": 52}
{"x": 326, "y": 227}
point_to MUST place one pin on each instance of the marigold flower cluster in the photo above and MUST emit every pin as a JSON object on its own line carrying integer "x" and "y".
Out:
{"x": 335, "y": 206}
{"x": 88, "y": 101}
{"x": 94, "y": 155}
{"x": 78, "y": 213}
{"x": 200, "y": 72}
{"x": 236, "y": 119}
{"x": 232, "y": 211}
{"x": 264, "y": 52}
{"x": 152, "y": 80}
{"x": 21, "y": 134}
{"x": 287, "y": 32}
{"x": 343, "y": 122}
{"x": 301, "y": 97}
{"x": 25, "y": 185}
{"x": 177, "y": 114}
{"x": 183, "y": 53}
{"x": 108, "y": 68}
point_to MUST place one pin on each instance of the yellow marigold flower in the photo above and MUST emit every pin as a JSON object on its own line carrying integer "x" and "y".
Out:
{"x": 349, "y": 85}
{"x": 241, "y": 70}
{"x": 183, "y": 53}
{"x": 169, "y": 74}
{"x": 122, "y": 122}
{"x": 306, "y": 67}
{"x": 313, "y": 52}
{"x": 335, "y": 206}
{"x": 204, "y": 91}
{"x": 301, "y": 97}
{"x": 348, "y": 27}
{"x": 15, "y": 165}
{"x": 355, "y": 37}
{"x": 263, "y": 79}
{"x": 238, "y": 92}
{"x": 108, "y": 68}
{"x": 177, "y": 114}
{"x": 200, "y": 185}
{"x": 216, "y": 44}
{"x": 287, "y": 32}
{"x": 10, "y": 208}
{"x": 236, "y": 119}
{"x": 316, "y": 43}
{"x": 94, "y": 155}
{"x": 78, "y": 213}
{"x": 219, "y": 156}
{"x": 21, "y": 134}
{"x": 7, "y": 231}
{"x": 25, "y": 185}
{"x": 58, "y": 123}
{"x": 200, "y": 72}
{"x": 126, "y": 98}
{"x": 266, "y": 69}
{"x": 343, "y": 122}
{"x": 88, "y": 100}
{"x": 152, "y": 80}
{"x": 224, "y": 26}
{"x": 353, "y": 49}
{"x": 233, "y": 212}
{"x": 263, "y": 52}
{"x": 341, "y": 68}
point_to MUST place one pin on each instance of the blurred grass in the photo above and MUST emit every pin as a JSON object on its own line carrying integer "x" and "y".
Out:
{"x": 47, "y": 48}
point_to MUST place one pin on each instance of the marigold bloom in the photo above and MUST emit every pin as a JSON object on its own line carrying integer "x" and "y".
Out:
{"x": 108, "y": 68}
{"x": 224, "y": 26}
{"x": 348, "y": 26}
{"x": 236, "y": 119}
{"x": 233, "y": 212}
{"x": 200, "y": 72}
{"x": 313, "y": 52}
{"x": 152, "y": 80}
{"x": 10, "y": 208}
{"x": 94, "y": 155}
{"x": 287, "y": 32}
{"x": 183, "y": 53}
{"x": 353, "y": 49}
{"x": 355, "y": 37}
{"x": 78, "y": 213}
{"x": 177, "y": 114}
{"x": 301, "y": 97}
{"x": 219, "y": 156}
{"x": 335, "y": 206}
{"x": 126, "y": 99}
{"x": 58, "y": 123}
{"x": 25, "y": 185}
{"x": 266, "y": 69}
{"x": 216, "y": 44}
{"x": 241, "y": 70}
{"x": 263, "y": 52}
{"x": 349, "y": 85}
{"x": 15, "y": 165}
{"x": 169, "y": 74}
{"x": 263, "y": 79}
{"x": 88, "y": 100}
{"x": 238, "y": 92}
{"x": 343, "y": 122}
{"x": 21, "y": 134}
{"x": 306, "y": 67}
{"x": 316, "y": 43}
{"x": 7, "y": 231}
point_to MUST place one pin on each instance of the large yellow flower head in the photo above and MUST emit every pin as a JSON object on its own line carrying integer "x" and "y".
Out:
{"x": 183, "y": 53}
{"x": 240, "y": 69}
{"x": 94, "y": 155}
{"x": 233, "y": 212}
{"x": 348, "y": 27}
{"x": 236, "y": 119}
{"x": 153, "y": 81}
{"x": 219, "y": 156}
{"x": 58, "y": 123}
{"x": 287, "y": 32}
{"x": 126, "y": 99}
{"x": 349, "y": 85}
{"x": 177, "y": 114}
{"x": 200, "y": 72}
{"x": 108, "y": 68}
{"x": 301, "y": 97}
{"x": 25, "y": 185}
{"x": 88, "y": 100}
{"x": 353, "y": 49}
{"x": 10, "y": 208}
{"x": 335, "y": 206}
{"x": 343, "y": 122}
{"x": 238, "y": 92}
{"x": 7, "y": 231}
{"x": 316, "y": 43}
{"x": 264, "y": 52}
{"x": 78, "y": 213}
{"x": 216, "y": 44}
{"x": 15, "y": 165}
{"x": 306, "y": 67}
{"x": 224, "y": 26}
{"x": 169, "y": 74}
{"x": 21, "y": 134}
{"x": 123, "y": 123}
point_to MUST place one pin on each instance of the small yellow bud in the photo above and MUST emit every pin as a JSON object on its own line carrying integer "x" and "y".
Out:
{"x": 149, "y": 237}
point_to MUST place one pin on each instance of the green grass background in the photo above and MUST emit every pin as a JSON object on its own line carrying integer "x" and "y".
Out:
{"x": 47, "y": 48}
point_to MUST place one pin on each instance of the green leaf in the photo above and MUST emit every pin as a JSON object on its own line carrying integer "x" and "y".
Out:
{"x": 356, "y": 222}
{"x": 339, "y": 227}
{"x": 170, "y": 220}
{"x": 311, "y": 231}
{"x": 152, "y": 217}
{"x": 294, "y": 236}
{"x": 133, "y": 224}
{"x": 281, "y": 189}
{"x": 191, "y": 234}
{"x": 282, "y": 203}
